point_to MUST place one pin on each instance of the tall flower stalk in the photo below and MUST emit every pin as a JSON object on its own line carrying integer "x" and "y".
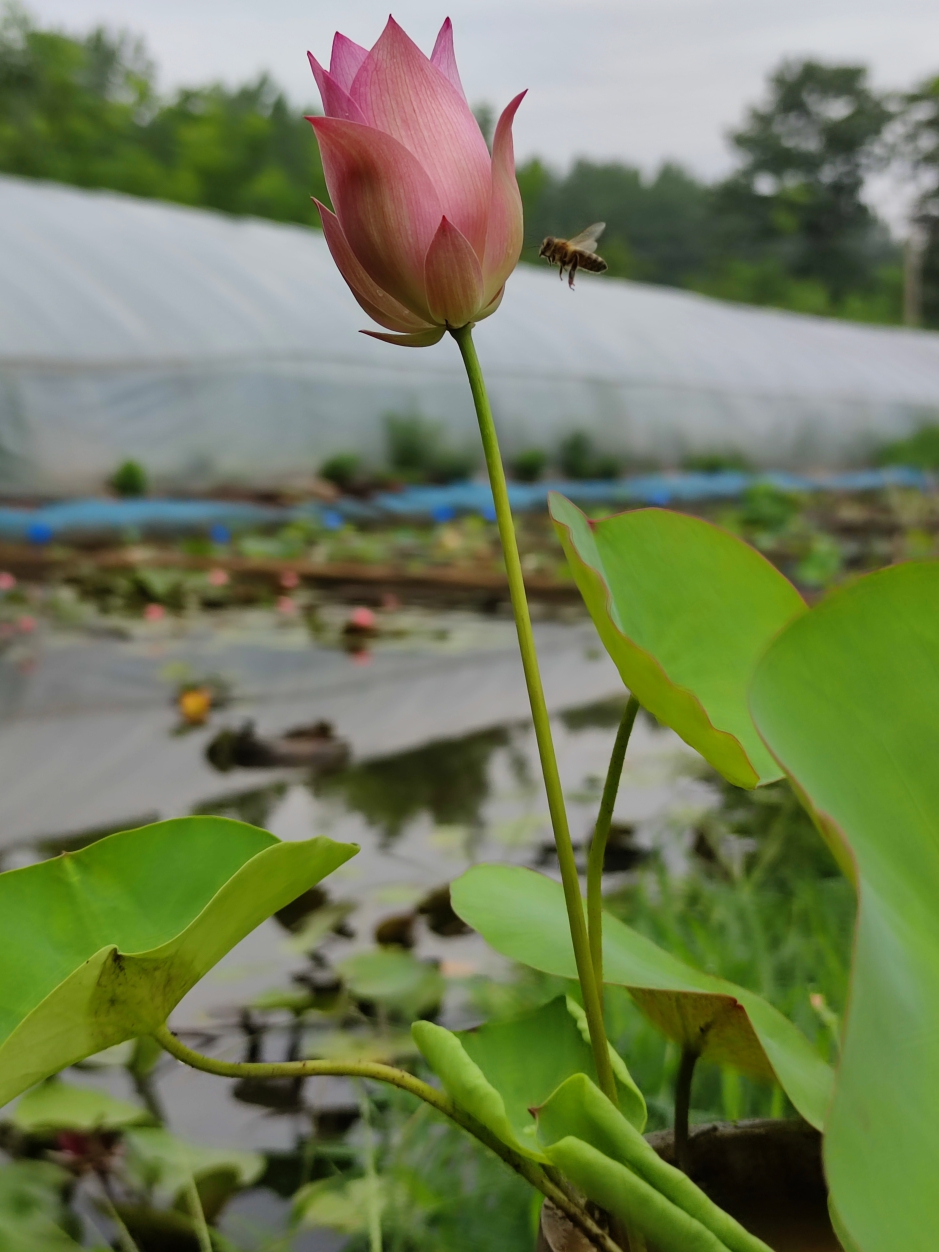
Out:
{"x": 426, "y": 227}
{"x": 587, "y": 974}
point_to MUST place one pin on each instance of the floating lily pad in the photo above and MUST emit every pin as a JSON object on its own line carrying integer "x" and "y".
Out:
{"x": 393, "y": 977}
{"x": 685, "y": 610}
{"x": 522, "y": 915}
{"x": 848, "y": 700}
{"x": 58, "y": 1105}
{"x": 501, "y": 1071}
{"x": 101, "y": 944}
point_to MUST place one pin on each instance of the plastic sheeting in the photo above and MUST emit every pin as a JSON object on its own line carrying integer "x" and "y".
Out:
{"x": 221, "y": 349}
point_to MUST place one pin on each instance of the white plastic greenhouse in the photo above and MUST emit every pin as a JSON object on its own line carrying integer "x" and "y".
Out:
{"x": 219, "y": 349}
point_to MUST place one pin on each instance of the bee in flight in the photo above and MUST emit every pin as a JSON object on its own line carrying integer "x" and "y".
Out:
{"x": 576, "y": 253}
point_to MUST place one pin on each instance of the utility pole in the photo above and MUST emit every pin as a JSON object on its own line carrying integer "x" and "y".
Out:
{"x": 914, "y": 253}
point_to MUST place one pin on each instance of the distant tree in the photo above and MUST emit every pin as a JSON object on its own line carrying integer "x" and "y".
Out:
{"x": 85, "y": 111}
{"x": 798, "y": 194}
{"x": 73, "y": 110}
{"x": 657, "y": 229}
{"x": 242, "y": 151}
{"x": 918, "y": 148}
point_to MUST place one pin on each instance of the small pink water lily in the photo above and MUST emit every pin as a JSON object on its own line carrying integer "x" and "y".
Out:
{"x": 427, "y": 227}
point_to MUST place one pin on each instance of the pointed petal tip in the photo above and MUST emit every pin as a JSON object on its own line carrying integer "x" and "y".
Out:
{"x": 346, "y": 59}
{"x": 444, "y": 57}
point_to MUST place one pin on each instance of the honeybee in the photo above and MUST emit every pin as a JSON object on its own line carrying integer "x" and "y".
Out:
{"x": 576, "y": 253}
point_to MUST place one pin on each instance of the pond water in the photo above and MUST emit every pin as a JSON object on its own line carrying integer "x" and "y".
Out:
{"x": 443, "y": 773}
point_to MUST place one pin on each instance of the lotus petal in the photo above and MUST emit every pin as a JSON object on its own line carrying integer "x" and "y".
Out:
{"x": 419, "y": 339}
{"x": 386, "y": 204}
{"x": 401, "y": 93}
{"x": 336, "y": 101}
{"x": 381, "y": 307}
{"x": 345, "y": 61}
{"x": 453, "y": 277}
{"x": 444, "y": 57}
{"x": 505, "y": 232}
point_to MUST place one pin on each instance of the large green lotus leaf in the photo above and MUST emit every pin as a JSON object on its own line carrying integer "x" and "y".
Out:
{"x": 522, "y": 915}
{"x": 579, "y": 1109}
{"x": 101, "y": 944}
{"x": 58, "y": 1105}
{"x": 501, "y": 1071}
{"x": 685, "y": 610}
{"x": 848, "y": 700}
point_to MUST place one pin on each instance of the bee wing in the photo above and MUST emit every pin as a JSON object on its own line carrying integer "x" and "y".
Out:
{"x": 587, "y": 239}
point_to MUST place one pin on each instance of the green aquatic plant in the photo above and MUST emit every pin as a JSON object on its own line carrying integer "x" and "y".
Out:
{"x": 710, "y": 639}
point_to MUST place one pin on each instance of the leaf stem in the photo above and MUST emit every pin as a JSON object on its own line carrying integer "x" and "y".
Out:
{"x": 601, "y": 833}
{"x": 539, "y": 713}
{"x": 199, "y": 1223}
{"x": 530, "y": 1170}
{"x": 124, "y": 1237}
{"x": 373, "y": 1201}
{"x": 689, "y": 1060}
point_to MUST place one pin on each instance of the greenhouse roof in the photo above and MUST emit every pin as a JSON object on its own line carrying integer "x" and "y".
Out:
{"x": 221, "y": 347}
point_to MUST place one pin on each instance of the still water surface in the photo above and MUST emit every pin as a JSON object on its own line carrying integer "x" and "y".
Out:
{"x": 443, "y": 774}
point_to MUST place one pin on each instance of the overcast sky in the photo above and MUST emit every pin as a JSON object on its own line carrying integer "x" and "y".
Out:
{"x": 639, "y": 80}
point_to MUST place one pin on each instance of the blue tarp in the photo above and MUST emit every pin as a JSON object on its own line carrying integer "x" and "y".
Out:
{"x": 657, "y": 489}
{"x": 120, "y": 518}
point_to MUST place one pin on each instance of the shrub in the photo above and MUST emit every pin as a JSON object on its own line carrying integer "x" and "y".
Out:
{"x": 129, "y": 479}
{"x": 528, "y": 466}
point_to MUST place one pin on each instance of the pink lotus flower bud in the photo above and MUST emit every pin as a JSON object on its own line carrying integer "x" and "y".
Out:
{"x": 361, "y": 619}
{"x": 7, "y": 580}
{"x": 218, "y": 578}
{"x": 154, "y": 612}
{"x": 427, "y": 227}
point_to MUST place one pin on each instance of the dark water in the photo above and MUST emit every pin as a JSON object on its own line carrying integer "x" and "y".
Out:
{"x": 443, "y": 774}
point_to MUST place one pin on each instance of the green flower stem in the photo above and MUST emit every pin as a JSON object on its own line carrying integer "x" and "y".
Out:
{"x": 530, "y": 1170}
{"x": 539, "y": 712}
{"x": 601, "y": 833}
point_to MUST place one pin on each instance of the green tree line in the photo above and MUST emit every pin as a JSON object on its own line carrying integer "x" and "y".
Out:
{"x": 789, "y": 227}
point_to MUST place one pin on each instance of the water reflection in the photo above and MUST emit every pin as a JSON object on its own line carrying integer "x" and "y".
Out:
{"x": 448, "y": 781}
{"x": 445, "y": 773}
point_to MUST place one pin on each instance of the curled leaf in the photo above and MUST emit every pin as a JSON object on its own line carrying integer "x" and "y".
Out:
{"x": 685, "y": 610}
{"x": 502, "y": 1071}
